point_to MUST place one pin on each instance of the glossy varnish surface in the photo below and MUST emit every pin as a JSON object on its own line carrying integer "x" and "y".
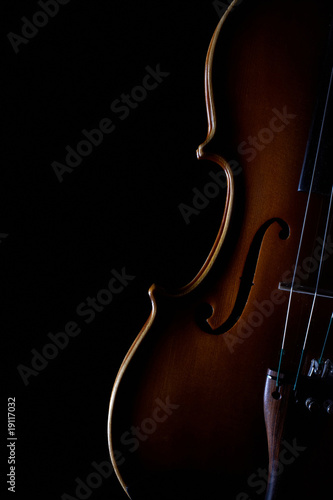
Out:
{"x": 265, "y": 79}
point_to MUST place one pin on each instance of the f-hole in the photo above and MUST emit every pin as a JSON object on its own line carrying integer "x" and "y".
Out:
{"x": 205, "y": 311}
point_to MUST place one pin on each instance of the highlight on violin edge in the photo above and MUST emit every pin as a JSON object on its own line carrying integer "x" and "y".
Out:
{"x": 245, "y": 349}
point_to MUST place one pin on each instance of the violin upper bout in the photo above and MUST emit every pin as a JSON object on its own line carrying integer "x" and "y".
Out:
{"x": 202, "y": 154}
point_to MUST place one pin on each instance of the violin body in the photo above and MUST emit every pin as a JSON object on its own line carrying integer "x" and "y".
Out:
{"x": 187, "y": 417}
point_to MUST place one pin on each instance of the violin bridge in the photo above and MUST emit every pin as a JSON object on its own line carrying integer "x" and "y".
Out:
{"x": 328, "y": 294}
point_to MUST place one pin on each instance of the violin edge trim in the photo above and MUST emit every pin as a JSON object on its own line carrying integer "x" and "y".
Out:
{"x": 211, "y": 258}
{"x": 123, "y": 367}
{"x": 203, "y": 155}
{"x": 209, "y": 93}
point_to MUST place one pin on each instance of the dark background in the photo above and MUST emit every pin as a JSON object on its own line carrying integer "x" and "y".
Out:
{"x": 118, "y": 209}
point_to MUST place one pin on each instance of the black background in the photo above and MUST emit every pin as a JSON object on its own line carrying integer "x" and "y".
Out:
{"x": 118, "y": 209}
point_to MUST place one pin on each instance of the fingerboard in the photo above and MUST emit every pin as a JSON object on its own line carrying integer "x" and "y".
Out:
{"x": 319, "y": 152}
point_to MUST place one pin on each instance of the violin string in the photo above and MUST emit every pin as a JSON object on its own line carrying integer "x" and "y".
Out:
{"x": 325, "y": 341}
{"x": 302, "y": 235}
{"x": 316, "y": 289}
{"x": 293, "y": 284}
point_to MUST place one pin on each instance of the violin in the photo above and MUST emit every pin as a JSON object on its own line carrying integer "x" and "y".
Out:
{"x": 227, "y": 391}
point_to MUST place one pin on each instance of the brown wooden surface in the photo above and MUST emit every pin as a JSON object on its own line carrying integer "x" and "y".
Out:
{"x": 267, "y": 61}
{"x": 276, "y": 401}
